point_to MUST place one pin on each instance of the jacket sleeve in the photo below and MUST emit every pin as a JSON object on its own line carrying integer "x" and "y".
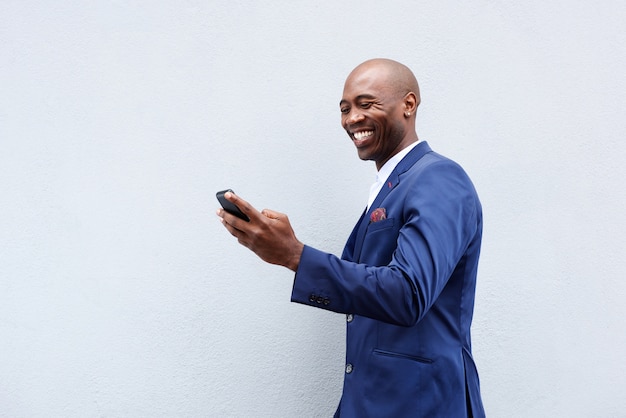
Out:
{"x": 438, "y": 215}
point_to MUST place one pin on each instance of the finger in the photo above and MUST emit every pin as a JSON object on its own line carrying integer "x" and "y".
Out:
{"x": 245, "y": 207}
{"x": 272, "y": 214}
{"x": 231, "y": 222}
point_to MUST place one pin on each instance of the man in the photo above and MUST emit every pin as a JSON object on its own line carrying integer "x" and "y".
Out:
{"x": 407, "y": 276}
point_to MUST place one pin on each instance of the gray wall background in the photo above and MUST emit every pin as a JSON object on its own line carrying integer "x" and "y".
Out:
{"x": 122, "y": 296}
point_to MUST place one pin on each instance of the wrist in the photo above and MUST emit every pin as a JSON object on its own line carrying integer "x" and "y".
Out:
{"x": 296, "y": 254}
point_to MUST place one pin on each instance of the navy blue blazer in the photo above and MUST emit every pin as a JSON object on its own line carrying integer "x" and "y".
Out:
{"x": 407, "y": 285}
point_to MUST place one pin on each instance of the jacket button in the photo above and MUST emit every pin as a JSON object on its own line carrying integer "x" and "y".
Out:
{"x": 349, "y": 317}
{"x": 349, "y": 368}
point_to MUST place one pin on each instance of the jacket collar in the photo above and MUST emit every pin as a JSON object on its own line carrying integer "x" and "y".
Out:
{"x": 393, "y": 180}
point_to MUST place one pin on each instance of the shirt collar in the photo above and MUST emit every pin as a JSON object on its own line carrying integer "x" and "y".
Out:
{"x": 389, "y": 166}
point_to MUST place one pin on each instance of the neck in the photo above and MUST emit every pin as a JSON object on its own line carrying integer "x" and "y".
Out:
{"x": 401, "y": 148}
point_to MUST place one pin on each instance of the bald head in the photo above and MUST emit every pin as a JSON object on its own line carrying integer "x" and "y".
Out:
{"x": 397, "y": 77}
{"x": 378, "y": 107}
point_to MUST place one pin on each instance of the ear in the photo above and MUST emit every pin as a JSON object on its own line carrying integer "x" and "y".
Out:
{"x": 410, "y": 103}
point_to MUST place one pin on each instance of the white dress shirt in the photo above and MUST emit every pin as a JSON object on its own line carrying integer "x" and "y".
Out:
{"x": 385, "y": 171}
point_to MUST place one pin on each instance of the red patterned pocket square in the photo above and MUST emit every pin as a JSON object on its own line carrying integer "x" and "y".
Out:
{"x": 378, "y": 215}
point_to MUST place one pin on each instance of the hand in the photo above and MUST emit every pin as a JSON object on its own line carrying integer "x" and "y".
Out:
{"x": 268, "y": 234}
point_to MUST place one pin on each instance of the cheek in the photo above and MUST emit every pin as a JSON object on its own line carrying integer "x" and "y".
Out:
{"x": 395, "y": 132}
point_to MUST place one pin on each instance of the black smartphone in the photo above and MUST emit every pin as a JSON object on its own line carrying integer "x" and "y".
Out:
{"x": 229, "y": 206}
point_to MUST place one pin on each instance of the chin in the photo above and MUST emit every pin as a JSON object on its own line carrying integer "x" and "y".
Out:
{"x": 363, "y": 156}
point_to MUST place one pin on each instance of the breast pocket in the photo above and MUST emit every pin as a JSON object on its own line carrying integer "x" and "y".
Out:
{"x": 380, "y": 225}
{"x": 380, "y": 242}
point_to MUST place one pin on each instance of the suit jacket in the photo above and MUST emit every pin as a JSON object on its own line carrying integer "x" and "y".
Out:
{"x": 407, "y": 285}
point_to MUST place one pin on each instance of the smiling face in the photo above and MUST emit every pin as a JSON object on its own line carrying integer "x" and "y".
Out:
{"x": 374, "y": 107}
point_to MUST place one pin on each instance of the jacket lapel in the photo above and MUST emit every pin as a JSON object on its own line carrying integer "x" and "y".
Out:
{"x": 392, "y": 181}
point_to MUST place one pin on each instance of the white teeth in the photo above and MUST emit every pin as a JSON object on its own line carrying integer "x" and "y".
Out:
{"x": 361, "y": 135}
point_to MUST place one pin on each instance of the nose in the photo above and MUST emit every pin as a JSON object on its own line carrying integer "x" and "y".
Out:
{"x": 354, "y": 116}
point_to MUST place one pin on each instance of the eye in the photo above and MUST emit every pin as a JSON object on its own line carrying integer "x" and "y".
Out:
{"x": 344, "y": 110}
{"x": 365, "y": 105}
